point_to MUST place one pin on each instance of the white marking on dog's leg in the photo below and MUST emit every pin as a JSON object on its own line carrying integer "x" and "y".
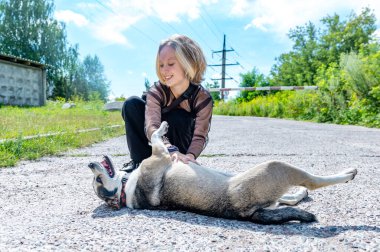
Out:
{"x": 155, "y": 198}
{"x": 293, "y": 199}
{"x": 130, "y": 187}
{"x": 321, "y": 181}
{"x": 273, "y": 206}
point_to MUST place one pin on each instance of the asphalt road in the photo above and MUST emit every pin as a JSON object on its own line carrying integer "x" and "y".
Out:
{"x": 49, "y": 204}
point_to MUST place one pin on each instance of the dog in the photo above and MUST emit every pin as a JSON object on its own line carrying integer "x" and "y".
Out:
{"x": 254, "y": 195}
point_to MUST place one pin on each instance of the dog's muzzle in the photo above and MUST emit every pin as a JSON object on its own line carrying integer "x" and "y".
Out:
{"x": 112, "y": 200}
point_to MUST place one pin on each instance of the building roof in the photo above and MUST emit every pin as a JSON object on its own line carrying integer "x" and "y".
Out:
{"x": 22, "y": 61}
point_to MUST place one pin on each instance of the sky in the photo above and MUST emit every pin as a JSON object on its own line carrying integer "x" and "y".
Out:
{"x": 125, "y": 34}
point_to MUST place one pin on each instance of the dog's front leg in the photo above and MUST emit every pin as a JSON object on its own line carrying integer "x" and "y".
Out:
{"x": 152, "y": 169}
{"x": 293, "y": 199}
{"x": 160, "y": 159}
{"x": 158, "y": 146}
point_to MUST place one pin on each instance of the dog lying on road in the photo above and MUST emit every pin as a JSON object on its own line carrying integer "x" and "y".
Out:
{"x": 160, "y": 183}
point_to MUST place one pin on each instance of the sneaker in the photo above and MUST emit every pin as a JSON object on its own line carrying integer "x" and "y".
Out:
{"x": 130, "y": 166}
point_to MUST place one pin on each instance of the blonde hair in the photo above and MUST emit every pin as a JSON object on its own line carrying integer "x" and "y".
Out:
{"x": 189, "y": 54}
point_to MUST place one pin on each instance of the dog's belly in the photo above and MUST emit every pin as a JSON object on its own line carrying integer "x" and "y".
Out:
{"x": 198, "y": 189}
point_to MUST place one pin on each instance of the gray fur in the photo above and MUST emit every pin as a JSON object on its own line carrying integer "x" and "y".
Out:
{"x": 160, "y": 183}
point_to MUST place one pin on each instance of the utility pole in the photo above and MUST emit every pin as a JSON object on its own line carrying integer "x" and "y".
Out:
{"x": 223, "y": 65}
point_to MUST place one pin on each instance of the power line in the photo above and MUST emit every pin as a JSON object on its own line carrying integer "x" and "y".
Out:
{"x": 229, "y": 44}
{"x": 159, "y": 26}
{"x": 217, "y": 28}
{"x": 168, "y": 24}
{"x": 131, "y": 25}
{"x": 224, "y": 64}
{"x": 231, "y": 78}
{"x": 194, "y": 30}
{"x": 105, "y": 6}
{"x": 212, "y": 21}
{"x": 204, "y": 20}
{"x": 198, "y": 35}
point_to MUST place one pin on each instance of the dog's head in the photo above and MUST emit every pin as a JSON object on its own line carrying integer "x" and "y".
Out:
{"x": 107, "y": 181}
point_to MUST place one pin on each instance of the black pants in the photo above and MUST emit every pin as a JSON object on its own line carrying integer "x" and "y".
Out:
{"x": 180, "y": 133}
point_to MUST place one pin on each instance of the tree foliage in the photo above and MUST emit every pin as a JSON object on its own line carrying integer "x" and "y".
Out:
{"x": 215, "y": 95}
{"x": 315, "y": 48}
{"x": 28, "y": 30}
{"x": 252, "y": 79}
{"x": 342, "y": 58}
{"x": 94, "y": 76}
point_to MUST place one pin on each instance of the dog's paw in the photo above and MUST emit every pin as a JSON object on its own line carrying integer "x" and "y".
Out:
{"x": 349, "y": 174}
{"x": 163, "y": 128}
{"x": 352, "y": 173}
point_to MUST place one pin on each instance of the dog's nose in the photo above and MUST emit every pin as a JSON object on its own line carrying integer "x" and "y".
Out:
{"x": 91, "y": 165}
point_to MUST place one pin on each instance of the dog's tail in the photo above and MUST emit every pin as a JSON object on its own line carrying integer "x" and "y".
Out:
{"x": 281, "y": 215}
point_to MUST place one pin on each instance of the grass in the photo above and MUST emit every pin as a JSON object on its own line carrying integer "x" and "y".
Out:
{"x": 19, "y": 122}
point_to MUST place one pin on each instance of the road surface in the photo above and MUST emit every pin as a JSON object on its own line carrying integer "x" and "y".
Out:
{"x": 49, "y": 204}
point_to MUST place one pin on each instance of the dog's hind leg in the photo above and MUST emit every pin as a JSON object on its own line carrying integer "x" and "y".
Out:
{"x": 314, "y": 182}
{"x": 263, "y": 185}
{"x": 281, "y": 215}
{"x": 283, "y": 175}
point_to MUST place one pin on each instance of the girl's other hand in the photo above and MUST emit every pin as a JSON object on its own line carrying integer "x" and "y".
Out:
{"x": 177, "y": 156}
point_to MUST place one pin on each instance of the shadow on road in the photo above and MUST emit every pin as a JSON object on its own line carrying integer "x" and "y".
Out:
{"x": 291, "y": 228}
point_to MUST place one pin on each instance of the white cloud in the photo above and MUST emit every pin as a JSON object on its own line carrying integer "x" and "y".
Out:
{"x": 260, "y": 23}
{"x": 110, "y": 20}
{"x": 111, "y": 28}
{"x": 279, "y": 16}
{"x": 173, "y": 9}
{"x": 69, "y": 16}
{"x": 240, "y": 7}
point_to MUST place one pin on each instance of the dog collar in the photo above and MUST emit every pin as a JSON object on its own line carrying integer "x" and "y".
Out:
{"x": 123, "y": 196}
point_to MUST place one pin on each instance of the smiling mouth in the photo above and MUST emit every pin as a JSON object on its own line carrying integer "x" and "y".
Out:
{"x": 107, "y": 164}
{"x": 168, "y": 77}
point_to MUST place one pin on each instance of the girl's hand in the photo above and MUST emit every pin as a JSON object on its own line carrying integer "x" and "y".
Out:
{"x": 177, "y": 156}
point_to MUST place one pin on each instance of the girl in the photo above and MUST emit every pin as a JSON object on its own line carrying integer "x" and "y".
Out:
{"x": 177, "y": 98}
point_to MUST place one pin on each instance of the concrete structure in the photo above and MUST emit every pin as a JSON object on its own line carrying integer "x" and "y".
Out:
{"x": 22, "y": 82}
{"x": 110, "y": 106}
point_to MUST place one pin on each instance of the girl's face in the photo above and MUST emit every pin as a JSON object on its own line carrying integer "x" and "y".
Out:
{"x": 170, "y": 69}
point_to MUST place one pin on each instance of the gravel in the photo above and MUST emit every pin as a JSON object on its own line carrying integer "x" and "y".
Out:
{"x": 49, "y": 204}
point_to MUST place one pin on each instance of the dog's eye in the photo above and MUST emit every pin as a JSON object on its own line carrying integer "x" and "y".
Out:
{"x": 99, "y": 180}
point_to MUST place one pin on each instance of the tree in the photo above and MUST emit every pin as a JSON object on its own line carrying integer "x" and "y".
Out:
{"x": 313, "y": 49}
{"x": 346, "y": 36}
{"x": 28, "y": 30}
{"x": 215, "y": 95}
{"x": 298, "y": 67}
{"x": 94, "y": 74}
{"x": 252, "y": 79}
